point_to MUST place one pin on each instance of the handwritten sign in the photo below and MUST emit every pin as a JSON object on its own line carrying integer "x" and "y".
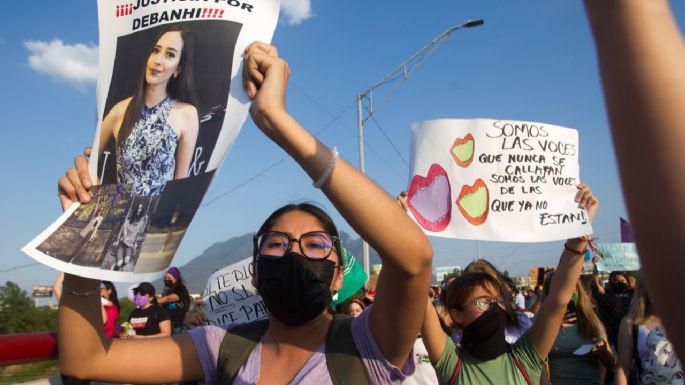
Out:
{"x": 618, "y": 257}
{"x": 230, "y": 298}
{"x": 499, "y": 180}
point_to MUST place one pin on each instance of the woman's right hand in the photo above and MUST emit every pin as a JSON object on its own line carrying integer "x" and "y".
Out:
{"x": 75, "y": 185}
{"x": 265, "y": 78}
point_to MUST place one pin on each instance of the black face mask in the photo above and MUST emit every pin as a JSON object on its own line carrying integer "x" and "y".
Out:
{"x": 295, "y": 289}
{"x": 168, "y": 283}
{"x": 484, "y": 337}
{"x": 619, "y": 287}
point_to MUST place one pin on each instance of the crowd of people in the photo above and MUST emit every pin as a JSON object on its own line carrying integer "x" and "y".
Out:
{"x": 473, "y": 330}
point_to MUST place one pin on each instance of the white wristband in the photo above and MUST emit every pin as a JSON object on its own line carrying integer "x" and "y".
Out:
{"x": 328, "y": 171}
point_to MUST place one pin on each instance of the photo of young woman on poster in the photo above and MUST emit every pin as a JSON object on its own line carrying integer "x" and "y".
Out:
{"x": 155, "y": 129}
{"x": 126, "y": 247}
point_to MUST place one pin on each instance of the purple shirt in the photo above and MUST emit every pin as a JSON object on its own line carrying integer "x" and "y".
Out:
{"x": 208, "y": 339}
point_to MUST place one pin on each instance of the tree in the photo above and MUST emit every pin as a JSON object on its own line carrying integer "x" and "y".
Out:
{"x": 125, "y": 309}
{"x": 16, "y": 309}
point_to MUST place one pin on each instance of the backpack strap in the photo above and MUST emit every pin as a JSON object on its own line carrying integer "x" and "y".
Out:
{"x": 636, "y": 354}
{"x": 236, "y": 347}
{"x": 521, "y": 369}
{"x": 344, "y": 363}
{"x": 457, "y": 369}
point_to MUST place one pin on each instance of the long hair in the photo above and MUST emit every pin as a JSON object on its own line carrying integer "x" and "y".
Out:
{"x": 485, "y": 267}
{"x": 641, "y": 305}
{"x": 113, "y": 297}
{"x": 313, "y": 210}
{"x": 589, "y": 324}
{"x": 135, "y": 216}
{"x": 181, "y": 88}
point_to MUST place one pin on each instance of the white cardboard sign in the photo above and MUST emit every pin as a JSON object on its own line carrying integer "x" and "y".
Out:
{"x": 230, "y": 298}
{"x": 497, "y": 180}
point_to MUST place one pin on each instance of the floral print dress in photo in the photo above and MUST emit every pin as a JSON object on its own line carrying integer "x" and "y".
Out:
{"x": 147, "y": 159}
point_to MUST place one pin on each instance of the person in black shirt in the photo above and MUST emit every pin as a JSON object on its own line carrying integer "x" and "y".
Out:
{"x": 148, "y": 319}
{"x": 176, "y": 299}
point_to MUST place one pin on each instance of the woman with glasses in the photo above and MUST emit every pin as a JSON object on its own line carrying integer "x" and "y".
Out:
{"x": 517, "y": 321}
{"x": 475, "y": 302}
{"x": 297, "y": 268}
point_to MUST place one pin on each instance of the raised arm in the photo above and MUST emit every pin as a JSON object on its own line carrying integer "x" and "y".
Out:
{"x": 404, "y": 249}
{"x": 641, "y": 55}
{"x": 84, "y": 349}
{"x": 432, "y": 334}
{"x": 625, "y": 352}
{"x": 544, "y": 331}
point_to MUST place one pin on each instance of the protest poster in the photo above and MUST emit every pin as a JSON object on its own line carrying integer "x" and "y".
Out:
{"x": 443, "y": 271}
{"x": 170, "y": 104}
{"x": 618, "y": 257}
{"x": 495, "y": 180}
{"x": 230, "y": 298}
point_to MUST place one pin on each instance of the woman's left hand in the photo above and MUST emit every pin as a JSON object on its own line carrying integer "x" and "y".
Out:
{"x": 586, "y": 200}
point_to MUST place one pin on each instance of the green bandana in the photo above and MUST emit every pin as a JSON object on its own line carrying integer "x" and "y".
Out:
{"x": 353, "y": 278}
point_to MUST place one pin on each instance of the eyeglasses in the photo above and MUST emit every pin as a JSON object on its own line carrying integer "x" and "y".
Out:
{"x": 483, "y": 303}
{"x": 314, "y": 244}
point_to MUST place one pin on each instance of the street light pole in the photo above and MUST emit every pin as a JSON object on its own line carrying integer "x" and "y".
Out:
{"x": 406, "y": 69}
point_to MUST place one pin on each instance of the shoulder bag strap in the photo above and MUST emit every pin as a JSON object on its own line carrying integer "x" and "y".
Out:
{"x": 236, "y": 347}
{"x": 343, "y": 360}
{"x": 457, "y": 369}
{"x": 521, "y": 369}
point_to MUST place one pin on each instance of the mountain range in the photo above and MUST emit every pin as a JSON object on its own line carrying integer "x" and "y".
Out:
{"x": 222, "y": 254}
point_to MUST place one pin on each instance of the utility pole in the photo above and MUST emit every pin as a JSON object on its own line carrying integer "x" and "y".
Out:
{"x": 404, "y": 70}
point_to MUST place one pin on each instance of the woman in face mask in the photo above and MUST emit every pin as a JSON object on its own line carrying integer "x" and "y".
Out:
{"x": 475, "y": 302}
{"x": 517, "y": 321}
{"x": 148, "y": 319}
{"x": 613, "y": 302}
{"x": 297, "y": 268}
{"x": 175, "y": 298}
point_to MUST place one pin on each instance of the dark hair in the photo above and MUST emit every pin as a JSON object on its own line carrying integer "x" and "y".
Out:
{"x": 181, "y": 88}
{"x": 614, "y": 274}
{"x": 113, "y": 298}
{"x": 460, "y": 289}
{"x": 504, "y": 283}
{"x": 179, "y": 288}
{"x": 135, "y": 216}
{"x": 146, "y": 288}
{"x": 311, "y": 209}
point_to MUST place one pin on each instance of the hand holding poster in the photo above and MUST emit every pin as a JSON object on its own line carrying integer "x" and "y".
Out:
{"x": 170, "y": 104}
{"x": 495, "y": 180}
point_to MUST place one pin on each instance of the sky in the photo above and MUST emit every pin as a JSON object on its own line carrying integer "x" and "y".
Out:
{"x": 529, "y": 61}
